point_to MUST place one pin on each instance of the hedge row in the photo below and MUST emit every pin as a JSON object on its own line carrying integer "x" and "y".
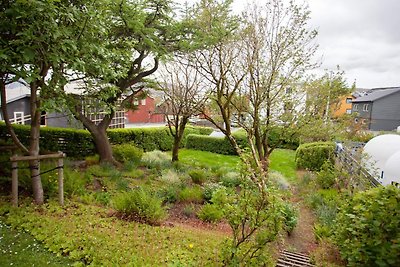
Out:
{"x": 312, "y": 156}
{"x": 222, "y": 145}
{"x": 79, "y": 143}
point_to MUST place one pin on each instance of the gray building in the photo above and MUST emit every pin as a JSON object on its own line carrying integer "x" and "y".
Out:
{"x": 18, "y": 110}
{"x": 378, "y": 109}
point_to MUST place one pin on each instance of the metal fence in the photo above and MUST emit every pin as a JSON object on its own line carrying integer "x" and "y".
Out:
{"x": 348, "y": 157}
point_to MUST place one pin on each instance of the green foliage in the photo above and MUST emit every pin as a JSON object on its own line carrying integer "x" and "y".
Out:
{"x": 210, "y": 189}
{"x": 92, "y": 160}
{"x": 211, "y": 213}
{"x": 141, "y": 205}
{"x": 89, "y": 236}
{"x": 74, "y": 182}
{"x": 367, "y": 230}
{"x": 198, "y": 176}
{"x": 170, "y": 193}
{"x": 290, "y": 215}
{"x": 231, "y": 179}
{"x": 18, "y": 247}
{"x": 277, "y": 139}
{"x": 191, "y": 194}
{"x": 208, "y": 143}
{"x": 127, "y": 152}
{"x": 156, "y": 159}
{"x": 325, "y": 203}
{"x": 327, "y": 175}
{"x": 312, "y": 156}
{"x": 79, "y": 143}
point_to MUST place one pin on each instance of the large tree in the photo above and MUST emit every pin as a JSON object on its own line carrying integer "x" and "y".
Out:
{"x": 36, "y": 39}
{"x": 135, "y": 37}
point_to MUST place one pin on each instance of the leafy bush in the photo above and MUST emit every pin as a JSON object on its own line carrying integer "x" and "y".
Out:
{"x": 191, "y": 194}
{"x": 170, "y": 193}
{"x": 140, "y": 204}
{"x": 198, "y": 176}
{"x": 327, "y": 175}
{"x": 367, "y": 230}
{"x": 231, "y": 179}
{"x": 290, "y": 215}
{"x": 211, "y": 213}
{"x": 156, "y": 159}
{"x": 312, "y": 156}
{"x": 127, "y": 152}
{"x": 210, "y": 189}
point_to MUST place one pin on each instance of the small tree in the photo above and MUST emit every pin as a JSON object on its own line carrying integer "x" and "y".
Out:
{"x": 36, "y": 39}
{"x": 183, "y": 98}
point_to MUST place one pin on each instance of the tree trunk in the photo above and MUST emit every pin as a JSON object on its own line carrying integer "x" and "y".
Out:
{"x": 34, "y": 146}
{"x": 103, "y": 146}
{"x": 179, "y": 131}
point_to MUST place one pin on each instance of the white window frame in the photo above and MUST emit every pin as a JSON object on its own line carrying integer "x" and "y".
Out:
{"x": 348, "y": 111}
{"x": 144, "y": 102}
{"x": 366, "y": 107}
{"x": 21, "y": 121}
{"x": 349, "y": 100}
{"x": 355, "y": 107}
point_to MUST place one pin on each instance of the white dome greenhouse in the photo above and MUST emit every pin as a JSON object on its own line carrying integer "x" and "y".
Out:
{"x": 378, "y": 151}
{"x": 391, "y": 171}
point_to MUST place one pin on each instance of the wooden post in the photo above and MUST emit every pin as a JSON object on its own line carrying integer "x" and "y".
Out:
{"x": 14, "y": 183}
{"x": 61, "y": 181}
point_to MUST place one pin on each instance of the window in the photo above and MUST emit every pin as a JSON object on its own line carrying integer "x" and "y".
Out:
{"x": 143, "y": 102}
{"x": 366, "y": 107}
{"x": 355, "y": 106}
{"x": 136, "y": 102}
{"x": 19, "y": 117}
{"x": 349, "y": 100}
{"x": 348, "y": 111}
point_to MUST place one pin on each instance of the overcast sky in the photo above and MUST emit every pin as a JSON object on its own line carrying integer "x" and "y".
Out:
{"x": 361, "y": 36}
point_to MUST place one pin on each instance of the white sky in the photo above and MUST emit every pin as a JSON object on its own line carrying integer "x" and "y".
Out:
{"x": 361, "y": 36}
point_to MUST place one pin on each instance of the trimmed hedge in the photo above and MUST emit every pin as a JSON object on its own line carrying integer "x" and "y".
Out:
{"x": 222, "y": 146}
{"x": 79, "y": 143}
{"x": 208, "y": 143}
{"x": 312, "y": 156}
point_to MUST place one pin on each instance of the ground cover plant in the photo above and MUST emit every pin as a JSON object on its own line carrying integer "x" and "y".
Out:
{"x": 104, "y": 201}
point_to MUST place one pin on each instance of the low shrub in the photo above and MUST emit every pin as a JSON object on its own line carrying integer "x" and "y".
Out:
{"x": 210, "y": 189}
{"x": 290, "y": 215}
{"x": 211, "y": 213}
{"x": 127, "y": 152}
{"x": 326, "y": 177}
{"x": 141, "y": 205}
{"x": 189, "y": 210}
{"x": 311, "y": 156}
{"x": 74, "y": 182}
{"x": 367, "y": 228}
{"x": 170, "y": 193}
{"x": 92, "y": 160}
{"x": 231, "y": 179}
{"x": 170, "y": 176}
{"x": 198, "y": 176}
{"x": 156, "y": 159}
{"x": 191, "y": 194}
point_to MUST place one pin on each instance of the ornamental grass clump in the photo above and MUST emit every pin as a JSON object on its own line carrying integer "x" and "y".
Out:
{"x": 140, "y": 205}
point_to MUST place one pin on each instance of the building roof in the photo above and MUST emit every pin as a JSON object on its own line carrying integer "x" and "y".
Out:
{"x": 16, "y": 91}
{"x": 377, "y": 93}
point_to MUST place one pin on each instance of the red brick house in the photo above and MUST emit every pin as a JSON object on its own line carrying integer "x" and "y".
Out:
{"x": 147, "y": 111}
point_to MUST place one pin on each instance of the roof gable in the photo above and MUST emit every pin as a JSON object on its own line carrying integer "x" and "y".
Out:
{"x": 377, "y": 93}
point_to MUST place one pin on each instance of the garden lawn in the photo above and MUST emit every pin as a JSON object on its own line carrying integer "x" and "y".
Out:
{"x": 92, "y": 236}
{"x": 282, "y": 160}
{"x": 17, "y": 248}
{"x": 207, "y": 159}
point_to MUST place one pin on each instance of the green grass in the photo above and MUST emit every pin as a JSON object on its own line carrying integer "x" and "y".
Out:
{"x": 17, "y": 249}
{"x": 282, "y": 160}
{"x": 89, "y": 235}
{"x": 207, "y": 159}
